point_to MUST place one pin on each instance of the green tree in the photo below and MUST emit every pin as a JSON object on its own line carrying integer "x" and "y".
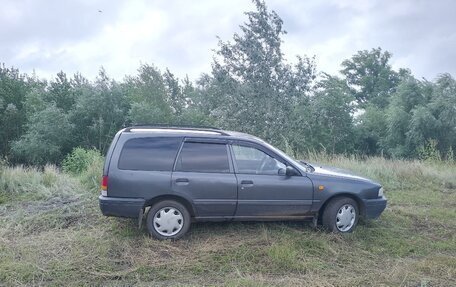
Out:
{"x": 331, "y": 118}
{"x": 410, "y": 94}
{"x": 423, "y": 127}
{"x": 148, "y": 97}
{"x": 443, "y": 107}
{"x": 371, "y": 81}
{"x": 100, "y": 111}
{"x": 370, "y": 77}
{"x": 13, "y": 89}
{"x": 252, "y": 86}
{"x": 371, "y": 131}
{"x": 195, "y": 109}
{"x": 61, "y": 92}
{"x": 47, "y": 139}
{"x": 175, "y": 93}
{"x": 421, "y": 113}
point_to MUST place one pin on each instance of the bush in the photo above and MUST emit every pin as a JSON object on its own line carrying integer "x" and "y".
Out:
{"x": 79, "y": 160}
{"x": 91, "y": 176}
{"x": 87, "y": 164}
{"x": 429, "y": 152}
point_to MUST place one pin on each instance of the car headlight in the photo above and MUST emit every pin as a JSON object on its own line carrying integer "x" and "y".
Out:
{"x": 380, "y": 192}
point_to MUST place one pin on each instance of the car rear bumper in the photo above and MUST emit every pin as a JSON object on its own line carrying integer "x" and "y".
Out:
{"x": 120, "y": 206}
{"x": 374, "y": 207}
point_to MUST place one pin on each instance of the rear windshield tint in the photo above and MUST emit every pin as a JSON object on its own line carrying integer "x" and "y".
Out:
{"x": 203, "y": 157}
{"x": 151, "y": 154}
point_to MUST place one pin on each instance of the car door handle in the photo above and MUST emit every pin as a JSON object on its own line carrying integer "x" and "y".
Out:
{"x": 246, "y": 183}
{"x": 182, "y": 181}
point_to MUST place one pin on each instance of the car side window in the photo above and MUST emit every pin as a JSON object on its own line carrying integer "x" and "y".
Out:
{"x": 203, "y": 157}
{"x": 250, "y": 160}
{"x": 149, "y": 154}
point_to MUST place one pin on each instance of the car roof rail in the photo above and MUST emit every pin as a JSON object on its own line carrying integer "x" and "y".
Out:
{"x": 177, "y": 127}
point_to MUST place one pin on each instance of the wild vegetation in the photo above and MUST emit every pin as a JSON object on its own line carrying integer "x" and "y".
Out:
{"x": 52, "y": 233}
{"x": 369, "y": 109}
{"x": 372, "y": 119}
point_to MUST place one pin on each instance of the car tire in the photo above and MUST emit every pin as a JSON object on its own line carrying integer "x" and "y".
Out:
{"x": 168, "y": 219}
{"x": 341, "y": 215}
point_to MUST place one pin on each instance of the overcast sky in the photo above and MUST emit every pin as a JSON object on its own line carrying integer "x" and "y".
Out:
{"x": 83, "y": 35}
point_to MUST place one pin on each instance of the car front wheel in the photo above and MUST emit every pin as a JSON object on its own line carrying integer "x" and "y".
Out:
{"x": 168, "y": 219}
{"x": 341, "y": 215}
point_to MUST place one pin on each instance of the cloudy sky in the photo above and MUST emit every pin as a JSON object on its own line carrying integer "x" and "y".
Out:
{"x": 82, "y": 35}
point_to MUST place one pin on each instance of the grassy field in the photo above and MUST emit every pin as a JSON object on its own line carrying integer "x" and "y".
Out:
{"x": 52, "y": 233}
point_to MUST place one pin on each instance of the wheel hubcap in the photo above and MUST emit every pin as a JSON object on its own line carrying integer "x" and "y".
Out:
{"x": 168, "y": 221}
{"x": 345, "y": 218}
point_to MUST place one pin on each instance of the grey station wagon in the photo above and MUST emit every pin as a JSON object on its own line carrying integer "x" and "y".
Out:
{"x": 184, "y": 174}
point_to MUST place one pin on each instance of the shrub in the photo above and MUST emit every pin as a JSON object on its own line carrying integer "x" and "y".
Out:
{"x": 87, "y": 164}
{"x": 429, "y": 151}
{"x": 91, "y": 176}
{"x": 79, "y": 160}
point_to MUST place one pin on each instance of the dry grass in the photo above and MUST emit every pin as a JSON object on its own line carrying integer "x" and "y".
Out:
{"x": 52, "y": 233}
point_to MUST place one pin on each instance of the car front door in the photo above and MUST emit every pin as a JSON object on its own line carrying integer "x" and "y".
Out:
{"x": 204, "y": 173}
{"x": 262, "y": 191}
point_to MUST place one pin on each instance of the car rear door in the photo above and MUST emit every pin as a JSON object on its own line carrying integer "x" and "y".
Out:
{"x": 262, "y": 192}
{"x": 204, "y": 173}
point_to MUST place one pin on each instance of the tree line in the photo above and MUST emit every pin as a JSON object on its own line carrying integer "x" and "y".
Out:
{"x": 368, "y": 109}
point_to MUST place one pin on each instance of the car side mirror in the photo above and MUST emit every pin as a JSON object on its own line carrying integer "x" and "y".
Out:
{"x": 288, "y": 171}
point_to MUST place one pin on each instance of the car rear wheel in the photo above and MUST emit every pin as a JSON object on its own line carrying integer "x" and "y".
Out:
{"x": 168, "y": 219}
{"x": 341, "y": 215}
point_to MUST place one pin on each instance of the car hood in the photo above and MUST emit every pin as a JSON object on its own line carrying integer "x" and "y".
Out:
{"x": 337, "y": 172}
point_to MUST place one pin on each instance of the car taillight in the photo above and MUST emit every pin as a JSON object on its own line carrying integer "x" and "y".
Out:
{"x": 104, "y": 185}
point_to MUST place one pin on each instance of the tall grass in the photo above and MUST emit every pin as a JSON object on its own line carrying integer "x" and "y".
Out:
{"x": 19, "y": 183}
{"x": 55, "y": 236}
{"x": 393, "y": 173}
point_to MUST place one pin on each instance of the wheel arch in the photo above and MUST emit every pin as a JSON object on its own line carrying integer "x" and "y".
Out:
{"x": 359, "y": 201}
{"x": 185, "y": 202}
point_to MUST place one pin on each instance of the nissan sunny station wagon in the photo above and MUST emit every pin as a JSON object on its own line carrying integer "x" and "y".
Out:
{"x": 174, "y": 176}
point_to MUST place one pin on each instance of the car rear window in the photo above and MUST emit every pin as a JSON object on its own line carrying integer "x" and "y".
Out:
{"x": 203, "y": 157}
{"x": 151, "y": 154}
